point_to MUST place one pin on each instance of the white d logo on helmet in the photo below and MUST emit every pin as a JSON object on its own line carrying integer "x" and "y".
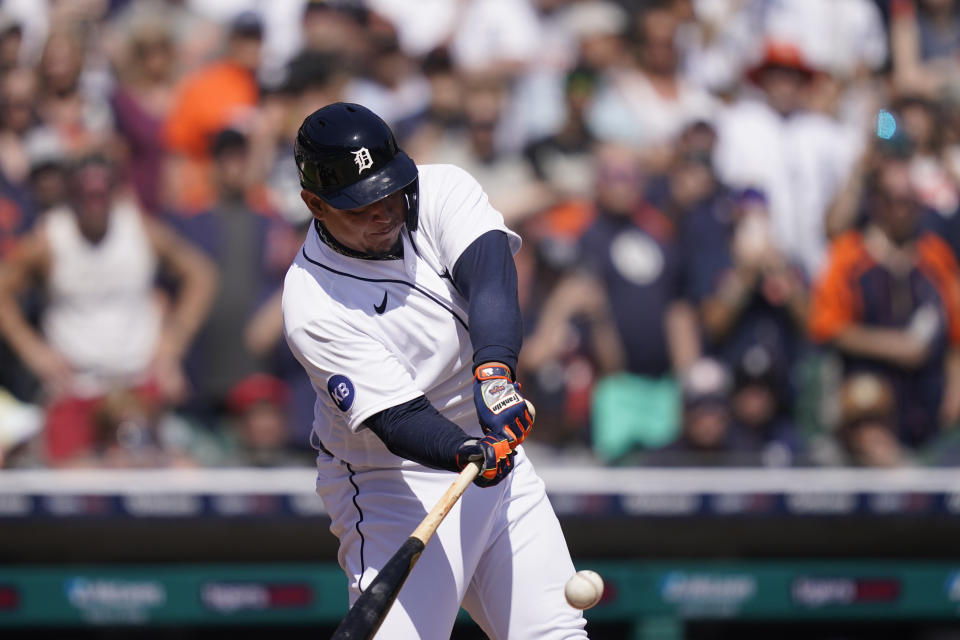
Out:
{"x": 362, "y": 157}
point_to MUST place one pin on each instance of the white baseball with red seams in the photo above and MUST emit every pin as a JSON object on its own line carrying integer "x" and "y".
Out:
{"x": 373, "y": 334}
{"x": 584, "y": 589}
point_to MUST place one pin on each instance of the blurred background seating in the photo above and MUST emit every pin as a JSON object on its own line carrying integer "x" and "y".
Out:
{"x": 693, "y": 179}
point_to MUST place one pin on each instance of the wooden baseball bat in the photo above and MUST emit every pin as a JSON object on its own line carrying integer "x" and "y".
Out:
{"x": 367, "y": 613}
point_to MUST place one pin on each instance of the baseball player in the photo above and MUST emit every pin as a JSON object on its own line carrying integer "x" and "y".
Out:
{"x": 402, "y": 308}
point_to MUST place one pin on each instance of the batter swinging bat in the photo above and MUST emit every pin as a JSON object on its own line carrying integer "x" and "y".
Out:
{"x": 368, "y": 612}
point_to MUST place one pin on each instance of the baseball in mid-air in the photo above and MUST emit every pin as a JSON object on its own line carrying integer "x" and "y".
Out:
{"x": 584, "y": 589}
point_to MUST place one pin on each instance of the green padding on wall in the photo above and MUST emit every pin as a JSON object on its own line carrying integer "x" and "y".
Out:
{"x": 650, "y": 594}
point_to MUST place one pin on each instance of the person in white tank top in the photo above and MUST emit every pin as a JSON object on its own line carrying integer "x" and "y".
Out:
{"x": 104, "y": 327}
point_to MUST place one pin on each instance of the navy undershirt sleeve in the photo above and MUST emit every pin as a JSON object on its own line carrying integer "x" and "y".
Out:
{"x": 487, "y": 277}
{"x": 415, "y": 430}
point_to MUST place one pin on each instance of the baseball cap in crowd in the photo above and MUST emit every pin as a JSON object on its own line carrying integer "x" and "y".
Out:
{"x": 779, "y": 54}
{"x": 45, "y": 149}
{"x": 227, "y": 140}
{"x": 247, "y": 24}
{"x": 866, "y": 396}
{"x": 255, "y": 389}
{"x": 308, "y": 70}
{"x": 706, "y": 382}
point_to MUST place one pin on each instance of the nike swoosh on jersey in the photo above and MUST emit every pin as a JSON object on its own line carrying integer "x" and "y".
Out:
{"x": 429, "y": 295}
{"x": 380, "y": 308}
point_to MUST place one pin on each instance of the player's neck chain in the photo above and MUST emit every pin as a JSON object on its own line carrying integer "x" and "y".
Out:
{"x": 395, "y": 253}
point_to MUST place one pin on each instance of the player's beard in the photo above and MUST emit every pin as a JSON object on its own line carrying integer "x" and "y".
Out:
{"x": 395, "y": 250}
{"x": 378, "y": 248}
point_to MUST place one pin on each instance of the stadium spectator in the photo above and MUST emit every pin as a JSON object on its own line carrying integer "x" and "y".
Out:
{"x": 564, "y": 160}
{"x": 422, "y": 27}
{"x": 335, "y": 28}
{"x": 924, "y": 40}
{"x": 140, "y": 102}
{"x": 197, "y": 38}
{"x": 18, "y": 117}
{"x": 889, "y": 302}
{"x": 263, "y": 337}
{"x": 729, "y": 418}
{"x": 747, "y": 293}
{"x": 647, "y": 103}
{"x": 536, "y": 108}
{"x": 868, "y": 422}
{"x": 715, "y": 42}
{"x": 688, "y": 183}
{"x": 797, "y": 157}
{"x": 599, "y": 28}
{"x": 17, "y": 215}
{"x": 103, "y": 326}
{"x": 507, "y": 177}
{"x": 257, "y": 406}
{"x": 390, "y": 83}
{"x": 570, "y": 339}
{"x": 495, "y": 37}
{"x": 132, "y": 430}
{"x": 844, "y": 38}
{"x": 445, "y": 113}
{"x": 47, "y": 181}
{"x": 921, "y": 124}
{"x": 761, "y": 411}
{"x": 923, "y": 132}
{"x": 69, "y": 102}
{"x": 221, "y": 94}
{"x": 705, "y": 434}
{"x": 311, "y": 79}
{"x": 20, "y": 208}
{"x": 918, "y": 128}
{"x": 251, "y": 251}
{"x": 11, "y": 41}
{"x": 631, "y": 252}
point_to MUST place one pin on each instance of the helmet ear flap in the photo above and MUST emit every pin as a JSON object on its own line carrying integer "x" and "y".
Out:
{"x": 411, "y": 198}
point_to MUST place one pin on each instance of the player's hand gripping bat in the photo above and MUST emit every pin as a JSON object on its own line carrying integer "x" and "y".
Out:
{"x": 367, "y": 613}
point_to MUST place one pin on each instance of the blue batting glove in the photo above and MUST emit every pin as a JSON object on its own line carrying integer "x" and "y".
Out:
{"x": 494, "y": 455}
{"x": 500, "y": 407}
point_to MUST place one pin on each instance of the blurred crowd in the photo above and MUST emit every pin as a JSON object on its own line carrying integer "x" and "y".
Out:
{"x": 740, "y": 218}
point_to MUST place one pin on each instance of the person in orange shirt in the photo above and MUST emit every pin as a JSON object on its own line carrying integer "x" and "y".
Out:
{"x": 215, "y": 97}
{"x": 889, "y": 302}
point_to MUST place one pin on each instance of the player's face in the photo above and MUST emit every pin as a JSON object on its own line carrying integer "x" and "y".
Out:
{"x": 373, "y": 229}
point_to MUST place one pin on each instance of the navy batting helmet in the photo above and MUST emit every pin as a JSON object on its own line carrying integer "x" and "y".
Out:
{"x": 347, "y": 155}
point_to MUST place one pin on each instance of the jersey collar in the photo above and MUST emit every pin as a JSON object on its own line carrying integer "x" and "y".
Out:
{"x": 327, "y": 238}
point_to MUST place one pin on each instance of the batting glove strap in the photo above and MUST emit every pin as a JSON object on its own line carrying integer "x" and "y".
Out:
{"x": 500, "y": 407}
{"x": 494, "y": 455}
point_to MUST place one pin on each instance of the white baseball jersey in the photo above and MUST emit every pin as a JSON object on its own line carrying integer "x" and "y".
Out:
{"x": 372, "y": 334}
{"x": 376, "y": 333}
